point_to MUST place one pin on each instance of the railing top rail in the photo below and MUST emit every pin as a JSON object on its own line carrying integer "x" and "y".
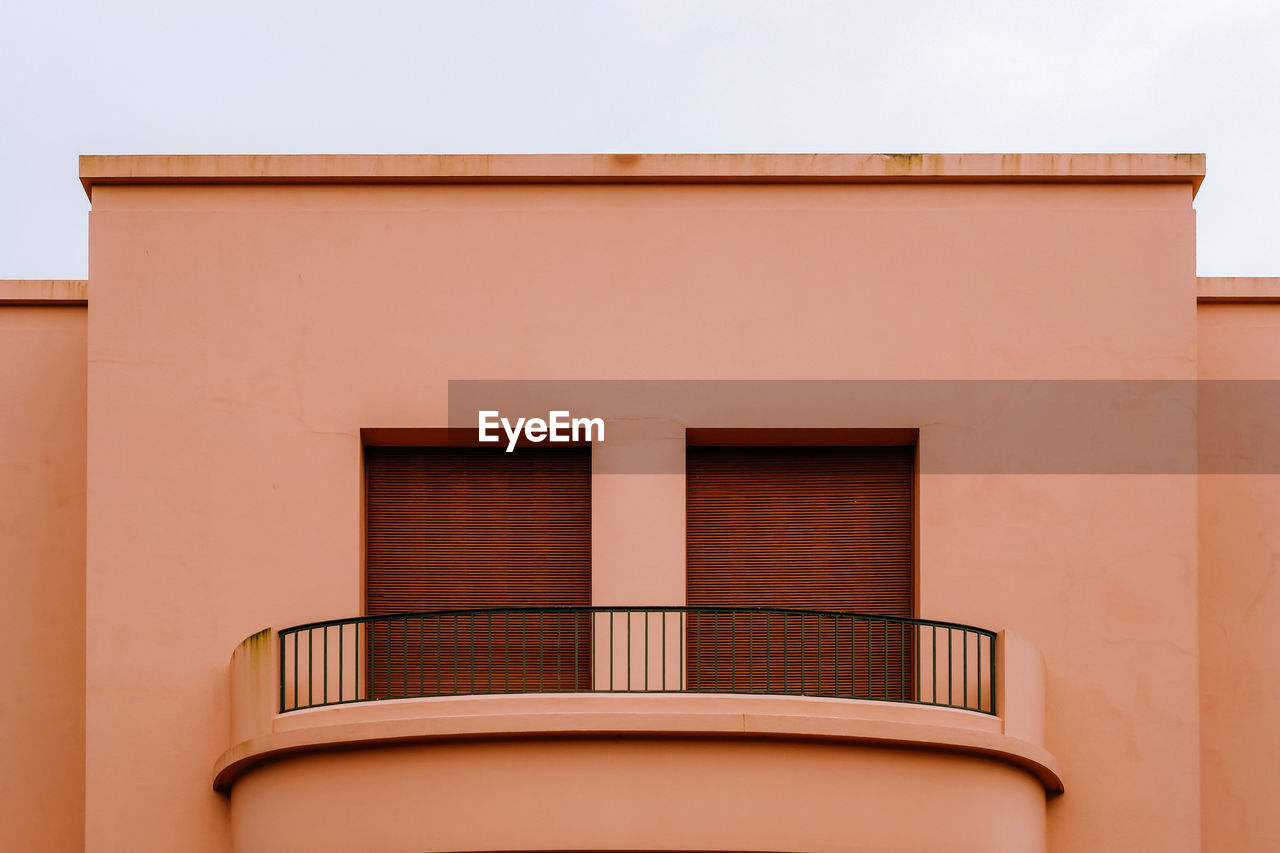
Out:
{"x": 788, "y": 611}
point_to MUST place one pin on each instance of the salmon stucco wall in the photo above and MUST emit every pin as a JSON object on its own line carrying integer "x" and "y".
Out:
{"x": 648, "y": 794}
{"x": 241, "y": 337}
{"x": 1240, "y": 594}
{"x": 42, "y": 552}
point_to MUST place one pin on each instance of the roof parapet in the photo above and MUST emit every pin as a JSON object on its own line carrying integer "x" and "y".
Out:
{"x": 100, "y": 170}
{"x": 1242, "y": 289}
{"x": 56, "y": 292}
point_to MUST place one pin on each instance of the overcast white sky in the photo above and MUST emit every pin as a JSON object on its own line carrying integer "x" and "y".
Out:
{"x": 174, "y": 76}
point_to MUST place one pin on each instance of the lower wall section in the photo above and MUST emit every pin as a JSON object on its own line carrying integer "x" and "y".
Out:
{"x": 637, "y": 794}
{"x": 42, "y": 575}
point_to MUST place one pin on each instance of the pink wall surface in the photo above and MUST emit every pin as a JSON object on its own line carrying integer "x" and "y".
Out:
{"x": 1240, "y": 602}
{"x": 638, "y": 794}
{"x": 42, "y": 553}
{"x": 242, "y": 336}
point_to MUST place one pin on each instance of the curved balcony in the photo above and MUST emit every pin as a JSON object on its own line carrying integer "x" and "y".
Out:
{"x": 706, "y": 722}
{"x": 767, "y": 651}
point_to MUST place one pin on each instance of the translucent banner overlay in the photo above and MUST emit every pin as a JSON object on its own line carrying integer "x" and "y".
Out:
{"x": 960, "y": 426}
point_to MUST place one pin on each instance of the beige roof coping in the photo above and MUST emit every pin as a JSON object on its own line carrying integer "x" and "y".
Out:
{"x": 1237, "y": 289}
{"x": 44, "y": 292}
{"x": 99, "y": 170}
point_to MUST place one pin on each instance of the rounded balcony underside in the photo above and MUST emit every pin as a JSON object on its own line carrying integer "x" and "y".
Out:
{"x": 637, "y": 772}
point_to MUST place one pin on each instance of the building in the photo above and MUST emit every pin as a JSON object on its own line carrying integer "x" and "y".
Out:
{"x": 932, "y": 510}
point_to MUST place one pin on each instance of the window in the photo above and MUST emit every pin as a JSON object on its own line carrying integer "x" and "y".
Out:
{"x": 452, "y": 528}
{"x": 818, "y": 528}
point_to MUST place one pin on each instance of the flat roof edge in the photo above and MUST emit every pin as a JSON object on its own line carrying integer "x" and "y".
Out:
{"x": 1210, "y": 290}
{"x": 99, "y": 170}
{"x": 53, "y": 292}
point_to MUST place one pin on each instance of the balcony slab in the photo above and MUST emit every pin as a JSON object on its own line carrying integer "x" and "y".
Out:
{"x": 638, "y": 715}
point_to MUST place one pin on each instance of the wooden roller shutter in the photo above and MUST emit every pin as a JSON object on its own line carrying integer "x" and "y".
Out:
{"x": 821, "y": 528}
{"x": 452, "y": 528}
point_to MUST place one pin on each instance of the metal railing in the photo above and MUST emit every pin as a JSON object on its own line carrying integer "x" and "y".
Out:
{"x": 637, "y": 649}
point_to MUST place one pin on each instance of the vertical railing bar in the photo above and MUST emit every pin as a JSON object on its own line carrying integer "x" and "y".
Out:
{"x": 715, "y": 653}
{"x": 645, "y": 615}
{"x": 311, "y": 667}
{"x": 853, "y": 630}
{"x": 853, "y": 657}
{"x": 884, "y": 654}
{"x": 933, "y": 661}
{"x": 662, "y": 618}
{"x": 964, "y": 673}
{"x": 991, "y": 675}
{"x": 698, "y": 686}
{"x": 489, "y": 644}
{"x": 867, "y": 624}
{"x": 786, "y": 686}
{"x": 684, "y": 650}
{"x": 834, "y": 663}
{"x": 915, "y": 672}
{"x": 978, "y": 668}
{"x": 951, "y": 700}
{"x": 763, "y": 646}
{"x": 902, "y": 663}
{"x": 282, "y": 671}
{"x": 803, "y": 686}
{"x": 767, "y": 654}
{"x": 732, "y": 652}
{"x": 871, "y": 664}
{"x": 820, "y": 685}
{"x": 978, "y": 674}
{"x": 629, "y": 615}
{"x": 297, "y": 680}
{"x": 991, "y": 651}
{"x": 324, "y": 678}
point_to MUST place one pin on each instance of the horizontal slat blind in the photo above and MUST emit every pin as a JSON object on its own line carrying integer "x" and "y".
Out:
{"x": 450, "y": 528}
{"x": 825, "y": 528}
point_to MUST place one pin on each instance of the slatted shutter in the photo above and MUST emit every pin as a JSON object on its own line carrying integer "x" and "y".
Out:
{"x": 451, "y": 528}
{"x": 822, "y": 528}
